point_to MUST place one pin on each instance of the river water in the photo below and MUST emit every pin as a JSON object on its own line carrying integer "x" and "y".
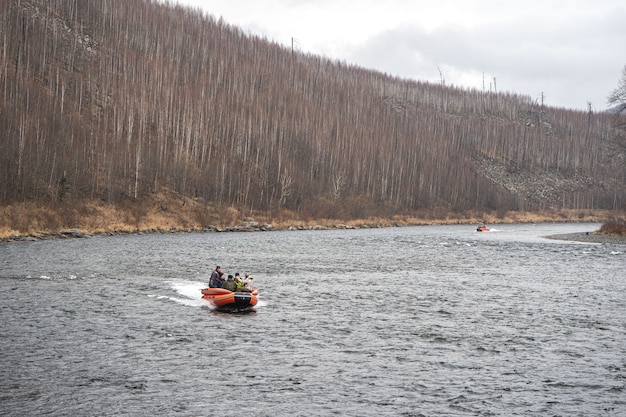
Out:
{"x": 413, "y": 321}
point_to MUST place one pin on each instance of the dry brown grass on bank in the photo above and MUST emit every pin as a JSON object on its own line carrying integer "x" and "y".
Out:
{"x": 286, "y": 219}
{"x": 29, "y": 219}
{"x": 166, "y": 212}
{"x": 614, "y": 228}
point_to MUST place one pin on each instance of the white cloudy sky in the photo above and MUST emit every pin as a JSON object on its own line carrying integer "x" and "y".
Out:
{"x": 572, "y": 51}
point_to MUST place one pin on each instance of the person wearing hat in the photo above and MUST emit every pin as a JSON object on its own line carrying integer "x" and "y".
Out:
{"x": 238, "y": 280}
{"x": 240, "y": 284}
{"x": 248, "y": 282}
{"x": 230, "y": 284}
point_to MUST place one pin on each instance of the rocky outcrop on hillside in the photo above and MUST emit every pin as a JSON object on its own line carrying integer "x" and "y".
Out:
{"x": 538, "y": 185}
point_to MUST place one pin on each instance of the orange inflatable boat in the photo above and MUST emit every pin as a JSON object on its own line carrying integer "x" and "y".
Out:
{"x": 223, "y": 299}
{"x": 482, "y": 228}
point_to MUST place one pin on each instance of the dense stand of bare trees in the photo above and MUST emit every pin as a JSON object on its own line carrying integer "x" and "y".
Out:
{"x": 115, "y": 99}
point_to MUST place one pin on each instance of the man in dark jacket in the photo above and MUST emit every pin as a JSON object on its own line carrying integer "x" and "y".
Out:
{"x": 215, "y": 276}
{"x": 219, "y": 283}
{"x": 230, "y": 284}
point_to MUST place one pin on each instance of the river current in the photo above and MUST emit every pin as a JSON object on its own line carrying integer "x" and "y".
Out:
{"x": 411, "y": 321}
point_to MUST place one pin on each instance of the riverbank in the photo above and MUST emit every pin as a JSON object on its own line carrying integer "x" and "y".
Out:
{"x": 164, "y": 214}
{"x": 591, "y": 237}
{"x": 586, "y": 237}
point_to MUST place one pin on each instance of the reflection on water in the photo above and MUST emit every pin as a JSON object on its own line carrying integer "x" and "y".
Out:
{"x": 436, "y": 320}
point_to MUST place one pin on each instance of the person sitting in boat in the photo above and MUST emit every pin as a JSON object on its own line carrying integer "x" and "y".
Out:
{"x": 248, "y": 282}
{"x": 240, "y": 286}
{"x": 215, "y": 277}
{"x": 238, "y": 280}
{"x": 230, "y": 284}
{"x": 221, "y": 280}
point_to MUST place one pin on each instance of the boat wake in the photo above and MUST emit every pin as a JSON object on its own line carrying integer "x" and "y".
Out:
{"x": 189, "y": 289}
{"x": 189, "y": 292}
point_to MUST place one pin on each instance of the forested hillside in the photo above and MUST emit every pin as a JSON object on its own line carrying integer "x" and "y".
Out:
{"x": 116, "y": 100}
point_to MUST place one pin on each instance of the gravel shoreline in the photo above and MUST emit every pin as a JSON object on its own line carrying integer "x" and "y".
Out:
{"x": 585, "y": 237}
{"x": 591, "y": 237}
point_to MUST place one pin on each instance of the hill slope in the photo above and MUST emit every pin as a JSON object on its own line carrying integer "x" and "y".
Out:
{"x": 118, "y": 100}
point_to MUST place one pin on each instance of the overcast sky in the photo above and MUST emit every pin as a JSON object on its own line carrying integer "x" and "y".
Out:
{"x": 571, "y": 51}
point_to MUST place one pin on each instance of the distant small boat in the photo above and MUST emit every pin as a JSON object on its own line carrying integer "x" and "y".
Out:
{"x": 482, "y": 228}
{"x": 225, "y": 300}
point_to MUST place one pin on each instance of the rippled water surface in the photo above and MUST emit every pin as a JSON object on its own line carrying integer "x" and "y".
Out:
{"x": 432, "y": 321}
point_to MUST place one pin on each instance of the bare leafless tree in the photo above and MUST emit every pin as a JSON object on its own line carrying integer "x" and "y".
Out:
{"x": 126, "y": 98}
